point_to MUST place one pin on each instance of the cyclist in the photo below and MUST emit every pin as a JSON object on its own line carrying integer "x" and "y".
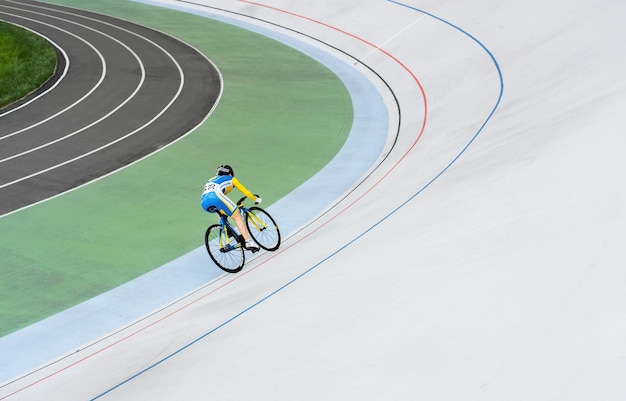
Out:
{"x": 214, "y": 199}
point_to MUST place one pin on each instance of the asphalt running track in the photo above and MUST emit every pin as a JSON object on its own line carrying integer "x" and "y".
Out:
{"x": 73, "y": 235}
{"x": 355, "y": 153}
{"x": 122, "y": 92}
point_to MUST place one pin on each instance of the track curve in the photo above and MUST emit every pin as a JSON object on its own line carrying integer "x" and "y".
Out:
{"x": 128, "y": 91}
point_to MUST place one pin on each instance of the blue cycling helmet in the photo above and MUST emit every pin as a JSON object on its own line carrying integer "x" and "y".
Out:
{"x": 225, "y": 169}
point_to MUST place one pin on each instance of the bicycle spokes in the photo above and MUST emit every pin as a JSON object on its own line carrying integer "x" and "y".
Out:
{"x": 224, "y": 250}
{"x": 225, "y": 245}
{"x": 263, "y": 228}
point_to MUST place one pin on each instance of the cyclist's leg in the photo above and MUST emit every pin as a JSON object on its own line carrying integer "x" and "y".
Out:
{"x": 241, "y": 226}
{"x": 227, "y": 207}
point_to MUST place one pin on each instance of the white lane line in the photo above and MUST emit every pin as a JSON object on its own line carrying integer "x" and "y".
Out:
{"x": 66, "y": 68}
{"x": 182, "y": 82}
{"x": 55, "y": 84}
{"x": 379, "y": 47}
{"x": 103, "y": 75}
{"x": 132, "y": 95}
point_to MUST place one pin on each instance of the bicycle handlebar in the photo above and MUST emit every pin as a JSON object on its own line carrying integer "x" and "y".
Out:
{"x": 240, "y": 201}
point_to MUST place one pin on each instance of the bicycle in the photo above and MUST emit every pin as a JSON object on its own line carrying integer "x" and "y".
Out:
{"x": 225, "y": 244}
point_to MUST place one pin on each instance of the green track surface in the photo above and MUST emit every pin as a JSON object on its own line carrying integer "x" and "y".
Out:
{"x": 282, "y": 117}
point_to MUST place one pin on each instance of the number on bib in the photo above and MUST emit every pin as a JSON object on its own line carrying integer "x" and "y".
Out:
{"x": 208, "y": 187}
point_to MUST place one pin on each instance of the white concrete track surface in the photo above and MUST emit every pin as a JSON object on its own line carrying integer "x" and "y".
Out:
{"x": 489, "y": 272}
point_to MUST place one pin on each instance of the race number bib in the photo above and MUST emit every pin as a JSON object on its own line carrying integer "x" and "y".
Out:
{"x": 209, "y": 187}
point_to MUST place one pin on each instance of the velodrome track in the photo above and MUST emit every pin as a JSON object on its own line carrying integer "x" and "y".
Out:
{"x": 445, "y": 277}
{"x": 19, "y": 348}
{"x": 72, "y": 248}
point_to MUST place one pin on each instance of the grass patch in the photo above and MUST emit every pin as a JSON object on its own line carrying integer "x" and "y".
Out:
{"x": 282, "y": 117}
{"x": 26, "y": 62}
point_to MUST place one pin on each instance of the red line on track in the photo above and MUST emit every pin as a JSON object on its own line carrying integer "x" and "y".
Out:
{"x": 418, "y": 83}
{"x": 419, "y": 136}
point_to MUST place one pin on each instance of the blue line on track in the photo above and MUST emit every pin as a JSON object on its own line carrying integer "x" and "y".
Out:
{"x": 499, "y": 71}
{"x": 130, "y": 302}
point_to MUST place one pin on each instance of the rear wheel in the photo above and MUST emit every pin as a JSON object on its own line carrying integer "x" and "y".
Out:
{"x": 224, "y": 249}
{"x": 263, "y": 228}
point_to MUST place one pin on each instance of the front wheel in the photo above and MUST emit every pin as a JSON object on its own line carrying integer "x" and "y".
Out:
{"x": 263, "y": 228}
{"x": 224, "y": 249}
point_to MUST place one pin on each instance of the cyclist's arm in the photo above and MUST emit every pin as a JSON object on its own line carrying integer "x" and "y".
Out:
{"x": 243, "y": 189}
